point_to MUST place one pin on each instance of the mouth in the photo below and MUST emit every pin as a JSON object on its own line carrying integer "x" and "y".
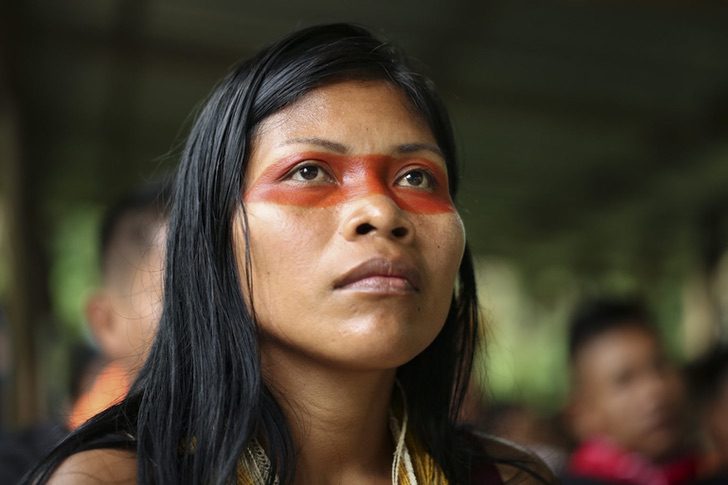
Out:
{"x": 381, "y": 275}
{"x": 661, "y": 422}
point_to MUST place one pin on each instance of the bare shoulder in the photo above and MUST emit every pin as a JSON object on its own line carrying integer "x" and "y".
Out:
{"x": 516, "y": 465}
{"x": 97, "y": 466}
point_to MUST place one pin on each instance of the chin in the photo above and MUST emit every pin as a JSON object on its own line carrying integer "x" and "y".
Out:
{"x": 661, "y": 446}
{"x": 377, "y": 353}
{"x": 370, "y": 361}
{"x": 388, "y": 341}
{"x": 360, "y": 342}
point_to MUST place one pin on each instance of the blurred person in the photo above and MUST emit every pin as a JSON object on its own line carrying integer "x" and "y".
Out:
{"x": 708, "y": 384}
{"x": 627, "y": 400}
{"x": 21, "y": 449}
{"x": 85, "y": 365}
{"x": 122, "y": 315}
{"x": 124, "y": 311}
{"x": 320, "y": 309}
{"x": 524, "y": 425}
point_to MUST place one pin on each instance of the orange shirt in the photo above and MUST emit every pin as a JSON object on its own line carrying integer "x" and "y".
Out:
{"x": 109, "y": 387}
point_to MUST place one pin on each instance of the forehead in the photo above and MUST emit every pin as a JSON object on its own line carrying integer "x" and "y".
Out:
{"x": 366, "y": 117}
{"x": 328, "y": 106}
{"x": 614, "y": 350}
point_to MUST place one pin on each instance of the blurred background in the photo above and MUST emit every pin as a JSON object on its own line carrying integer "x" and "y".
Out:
{"x": 593, "y": 136}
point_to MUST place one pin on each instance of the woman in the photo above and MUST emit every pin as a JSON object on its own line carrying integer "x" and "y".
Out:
{"x": 320, "y": 311}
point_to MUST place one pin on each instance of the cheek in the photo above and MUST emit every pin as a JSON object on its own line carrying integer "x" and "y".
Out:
{"x": 443, "y": 242}
{"x": 147, "y": 299}
{"x": 286, "y": 245}
{"x": 457, "y": 237}
{"x": 443, "y": 239}
{"x": 603, "y": 399}
{"x": 284, "y": 238}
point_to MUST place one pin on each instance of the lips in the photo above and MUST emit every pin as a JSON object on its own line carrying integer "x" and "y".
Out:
{"x": 381, "y": 275}
{"x": 661, "y": 421}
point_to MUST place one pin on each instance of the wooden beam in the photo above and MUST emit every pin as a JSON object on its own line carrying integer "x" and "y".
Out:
{"x": 27, "y": 302}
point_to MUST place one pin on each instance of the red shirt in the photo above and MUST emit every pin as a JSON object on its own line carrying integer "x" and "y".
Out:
{"x": 602, "y": 460}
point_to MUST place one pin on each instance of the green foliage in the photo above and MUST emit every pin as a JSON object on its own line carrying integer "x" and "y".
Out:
{"x": 73, "y": 271}
{"x": 527, "y": 313}
{"x": 525, "y": 336}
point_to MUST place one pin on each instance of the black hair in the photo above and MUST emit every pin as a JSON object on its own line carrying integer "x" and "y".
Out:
{"x": 200, "y": 399}
{"x": 707, "y": 374}
{"x": 132, "y": 221}
{"x": 597, "y": 316}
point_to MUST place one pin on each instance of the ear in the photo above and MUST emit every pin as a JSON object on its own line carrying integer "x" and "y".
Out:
{"x": 103, "y": 322}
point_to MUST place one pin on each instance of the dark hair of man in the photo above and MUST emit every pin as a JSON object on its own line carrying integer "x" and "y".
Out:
{"x": 129, "y": 226}
{"x": 200, "y": 398}
{"x": 595, "y": 317}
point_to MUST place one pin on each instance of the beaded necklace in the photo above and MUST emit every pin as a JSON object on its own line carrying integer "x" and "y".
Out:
{"x": 406, "y": 466}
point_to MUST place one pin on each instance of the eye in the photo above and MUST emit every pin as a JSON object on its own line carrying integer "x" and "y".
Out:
{"x": 418, "y": 178}
{"x": 624, "y": 378}
{"x": 309, "y": 172}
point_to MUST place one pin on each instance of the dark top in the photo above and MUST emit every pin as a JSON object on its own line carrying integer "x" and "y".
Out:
{"x": 485, "y": 473}
{"x": 571, "y": 480}
{"x": 20, "y": 451}
{"x": 506, "y": 463}
{"x": 720, "y": 478}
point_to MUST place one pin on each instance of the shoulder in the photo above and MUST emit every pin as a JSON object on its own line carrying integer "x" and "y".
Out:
{"x": 516, "y": 465}
{"x": 95, "y": 467}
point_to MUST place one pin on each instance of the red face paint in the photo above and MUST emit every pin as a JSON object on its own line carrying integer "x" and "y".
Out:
{"x": 352, "y": 177}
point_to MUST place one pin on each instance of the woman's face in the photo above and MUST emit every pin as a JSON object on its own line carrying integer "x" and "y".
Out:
{"x": 354, "y": 240}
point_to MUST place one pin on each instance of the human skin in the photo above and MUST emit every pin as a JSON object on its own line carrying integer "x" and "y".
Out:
{"x": 124, "y": 313}
{"x": 330, "y": 347}
{"x": 628, "y": 393}
{"x": 305, "y": 235}
{"x": 330, "y": 344}
{"x": 348, "y": 175}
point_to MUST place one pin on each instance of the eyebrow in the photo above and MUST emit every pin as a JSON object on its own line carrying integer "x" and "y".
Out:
{"x": 417, "y": 147}
{"x": 328, "y": 144}
{"x": 343, "y": 149}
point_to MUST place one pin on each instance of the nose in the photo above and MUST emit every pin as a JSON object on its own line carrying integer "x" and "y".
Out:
{"x": 379, "y": 216}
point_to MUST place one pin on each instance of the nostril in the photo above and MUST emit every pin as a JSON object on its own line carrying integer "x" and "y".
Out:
{"x": 365, "y": 228}
{"x": 399, "y": 232}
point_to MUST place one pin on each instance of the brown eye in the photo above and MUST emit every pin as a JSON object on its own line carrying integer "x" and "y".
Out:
{"x": 416, "y": 178}
{"x": 309, "y": 172}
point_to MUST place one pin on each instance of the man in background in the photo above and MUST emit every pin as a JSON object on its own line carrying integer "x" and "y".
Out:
{"x": 124, "y": 311}
{"x": 122, "y": 315}
{"x": 626, "y": 404}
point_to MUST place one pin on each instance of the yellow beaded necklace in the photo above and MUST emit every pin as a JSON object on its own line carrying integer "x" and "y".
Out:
{"x": 411, "y": 464}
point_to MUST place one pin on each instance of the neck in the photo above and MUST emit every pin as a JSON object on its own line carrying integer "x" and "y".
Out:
{"x": 339, "y": 419}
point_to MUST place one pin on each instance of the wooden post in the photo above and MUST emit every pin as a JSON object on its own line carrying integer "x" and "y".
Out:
{"x": 27, "y": 300}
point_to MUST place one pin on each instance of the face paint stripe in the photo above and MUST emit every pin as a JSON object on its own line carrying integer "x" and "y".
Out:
{"x": 353, "y": 177}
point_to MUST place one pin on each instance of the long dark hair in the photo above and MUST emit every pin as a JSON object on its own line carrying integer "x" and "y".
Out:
{"x": 200, "y": 398}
